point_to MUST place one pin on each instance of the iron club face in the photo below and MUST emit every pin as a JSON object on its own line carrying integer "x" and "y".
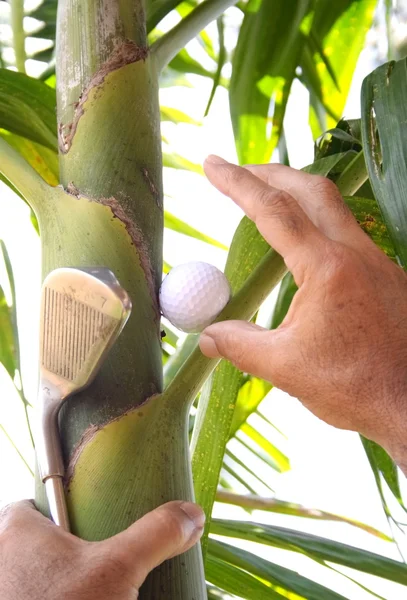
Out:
{"x": 82, "y": 313}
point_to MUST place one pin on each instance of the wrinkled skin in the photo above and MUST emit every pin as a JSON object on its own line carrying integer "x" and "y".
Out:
{"x": 342, "y": 348}
{"x": 40, "y": 561}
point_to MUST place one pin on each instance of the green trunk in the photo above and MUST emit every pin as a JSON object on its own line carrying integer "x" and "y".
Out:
{"x": 122, "y": 461}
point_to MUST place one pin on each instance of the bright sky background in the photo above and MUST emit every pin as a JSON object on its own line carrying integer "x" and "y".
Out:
{"x": 329, "y": 470}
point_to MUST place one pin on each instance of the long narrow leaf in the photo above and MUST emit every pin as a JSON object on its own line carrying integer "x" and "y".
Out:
{"x": 7, "y": 346}
{"x": 313, "y": 546}
{"x": 27, "y": 108}
{"x": 238, "y": 582}
{"x": 384, "y": 129}
{"x": 292, "y": 509}
{"x": 268, "y": 50}
{"x": 222, "y": 56}
{"x": 176, "y": 224}
{"x": 338, "y": 31}
{"x": 274, "y": 574}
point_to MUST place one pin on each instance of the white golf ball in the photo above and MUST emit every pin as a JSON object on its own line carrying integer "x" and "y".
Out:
{"x": 193, "y": 294}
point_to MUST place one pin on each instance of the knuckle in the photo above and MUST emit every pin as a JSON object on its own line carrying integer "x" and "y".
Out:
{"x": 268, "y": 198}
{"x": 234, "y": 175}
{"x": 328, "y": 192}
{"x": 279, "y": 207}
{"x": 322, "y": 185}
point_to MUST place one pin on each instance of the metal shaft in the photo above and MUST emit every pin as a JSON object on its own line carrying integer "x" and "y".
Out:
{"x": 54, "y": 487}
{"x": 82, "y": 313}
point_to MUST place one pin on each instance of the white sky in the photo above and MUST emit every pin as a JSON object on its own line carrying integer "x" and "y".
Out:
{"x": 329, "y": 470}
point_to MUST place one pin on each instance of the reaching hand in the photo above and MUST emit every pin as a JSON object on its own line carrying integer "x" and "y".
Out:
{"x": 342, "y": 348}
{"x": 40, "y": 561}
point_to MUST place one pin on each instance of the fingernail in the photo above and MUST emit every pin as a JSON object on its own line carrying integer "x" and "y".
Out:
{"x": 213, "y": 159}
{"x": 208, "y": 346}
{"x": 194, "y": 514}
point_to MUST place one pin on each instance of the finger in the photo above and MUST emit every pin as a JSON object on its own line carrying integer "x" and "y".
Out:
{"x": 278, "y": 216}
{"x": 318, "y": 197}
{"x": 165, "y": 532}
{"x": 250, "y": 348}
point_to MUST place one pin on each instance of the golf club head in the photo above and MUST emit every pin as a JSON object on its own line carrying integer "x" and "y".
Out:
{"x": 82, "y": 313}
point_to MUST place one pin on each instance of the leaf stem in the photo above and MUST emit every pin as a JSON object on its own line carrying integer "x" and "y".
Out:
{"x": 17, "y": 26}
{"x": 22, "y": 177}
{"x": 164, "y": 49}
{"x": 197, "y": 368}
{"x": 354, "y": 176}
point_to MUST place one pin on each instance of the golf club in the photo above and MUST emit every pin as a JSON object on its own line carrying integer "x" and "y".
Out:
{"x": 82, "y": 313}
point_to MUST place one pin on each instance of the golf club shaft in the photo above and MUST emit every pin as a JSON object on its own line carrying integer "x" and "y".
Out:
{"x": 49, "y": 453}
{"x": 54, "y": 488}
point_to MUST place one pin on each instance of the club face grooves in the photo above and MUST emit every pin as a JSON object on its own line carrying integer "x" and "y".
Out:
{"x": 82, "y": 313}
{"x": 70, "y": 329}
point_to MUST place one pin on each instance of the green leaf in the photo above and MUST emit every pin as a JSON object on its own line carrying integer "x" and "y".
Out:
{"x": 242, "y": 480}
{"x": 286, "y": 293}
{"x": 170, "y": 337}
{"x": 238, "y": 582}
{"x": 315, "y": 44}
{"x": 7, "y": 348}
{"x": 172, "y": 222}
{"x": 184, "y": 63}
{"x": 267, "y": 53}
{"x": 369, "y": 217}
{"x": 176, "y": 361}
{"x": 250, "y": 471}
{"x": 279, "y": 460}
{"x": 384, "y": 129}
{"x": 295, "y": 510}
{"x": 175, "y": 161}
{"x": 310, "y": 77}
{"x": 42, "y": 159}
{"x": 222, "y": 57}
{"x": 344, "y": 137}
{"x": 274, "y": 574}
{"x": 27, "y": 108}
{"x": 251, "y": 393}
{"x": 382, "y": 465}
{"x": 46, "y": 11}
{"x": 217, "y": 402}
{"x": 339, "y": 30}
{"x": 176, "y": 116}
{"x": 316, "y": 547}
{"x": 156, "y": 10}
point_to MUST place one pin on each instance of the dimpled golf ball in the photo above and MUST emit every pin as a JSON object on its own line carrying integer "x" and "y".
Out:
{"x": 193, "y": 294}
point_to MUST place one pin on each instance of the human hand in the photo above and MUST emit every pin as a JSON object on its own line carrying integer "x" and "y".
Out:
{"x": 342, "y": 348}
{"x": 40, "y": 561}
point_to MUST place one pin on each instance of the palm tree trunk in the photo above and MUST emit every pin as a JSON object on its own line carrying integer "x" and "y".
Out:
{"x": 125, "y": 448}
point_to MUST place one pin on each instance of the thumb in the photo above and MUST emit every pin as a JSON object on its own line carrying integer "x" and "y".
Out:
{"x": 162, "y": 533}
{"x": 246, "y": 345}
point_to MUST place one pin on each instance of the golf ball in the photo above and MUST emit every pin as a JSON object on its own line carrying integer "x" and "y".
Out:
{"x": 193, "y": 294}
